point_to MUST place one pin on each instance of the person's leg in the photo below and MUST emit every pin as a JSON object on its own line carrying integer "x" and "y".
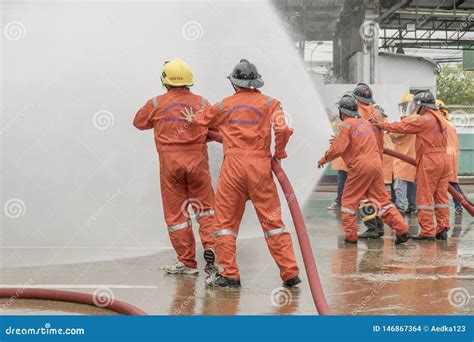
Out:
{"x": 427, "y": 179}
{"x": 354, "y": 190}
{"x": 264, "y": 196}
{"x": 387, "y": 211}
{"x": 441, "y": 203}
{"x": 457, "y": 206}
{"x": 201, "y": 196}
{"x": 174, "y": 197}
{"x": 341, "y": 181}
{"x": 411, "y": 196}
{"x": 400, "y": 186}
{"x": 229, "y": 207}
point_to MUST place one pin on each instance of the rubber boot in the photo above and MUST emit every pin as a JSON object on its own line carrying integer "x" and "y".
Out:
{"x": 292, "y": 282}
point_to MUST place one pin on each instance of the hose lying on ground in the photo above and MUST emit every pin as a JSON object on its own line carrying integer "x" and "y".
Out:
{"x": 302, "y": 234}
{"x": 72, "y": 297}
{"x": 460, "y": 197}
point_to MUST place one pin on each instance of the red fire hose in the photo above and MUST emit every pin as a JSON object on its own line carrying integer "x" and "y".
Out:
{"x": 460, "y": 197}
{"x": 301, "y": 232}
{"x": 72, "y": 297}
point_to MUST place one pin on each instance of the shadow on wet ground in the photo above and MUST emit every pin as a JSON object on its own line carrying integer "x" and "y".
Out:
{"x": 371, "y": 278}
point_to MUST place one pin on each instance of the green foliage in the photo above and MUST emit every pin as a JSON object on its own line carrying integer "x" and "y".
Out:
{"x": 455, "y": 86}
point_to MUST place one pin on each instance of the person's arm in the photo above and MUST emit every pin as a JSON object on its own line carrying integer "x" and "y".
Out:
{"x": 338, "y": 145}
{"x": 280, "y": 128}
{"x": 143, "y": 117}
{"x": 410, "y": 125}
{"x": 207, "y": 115}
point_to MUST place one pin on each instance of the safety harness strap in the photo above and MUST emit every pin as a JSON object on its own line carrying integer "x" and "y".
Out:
{"x": 176, "y": 227}
{"x": 274, "y": 232}
{"x": 223, "y": 232}
{"x": 348, "y": 211}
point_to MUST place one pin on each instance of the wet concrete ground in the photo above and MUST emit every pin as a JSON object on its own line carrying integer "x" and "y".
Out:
{"x": 371, "y": 278}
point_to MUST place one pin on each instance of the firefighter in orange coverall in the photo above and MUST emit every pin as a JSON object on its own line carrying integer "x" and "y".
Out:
{"x": 184, "y": 170}
{"x": 368, "y": 112}
{"x": 453, "y": 151}
{"x": 433, "y": 164}
{"x": 245, "y": 121}
{"x": 356, "y": 143}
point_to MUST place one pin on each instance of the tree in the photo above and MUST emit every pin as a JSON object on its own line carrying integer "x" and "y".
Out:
{"x": 455, "y": 86}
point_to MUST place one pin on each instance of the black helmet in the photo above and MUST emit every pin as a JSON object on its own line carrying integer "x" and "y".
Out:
{"x": 348, "y": 105}
{"x": 380, "y": 110}
{"x": 425, "y": 98}
{"x": 245, "y": 75}
{"x": 363, "y": 93}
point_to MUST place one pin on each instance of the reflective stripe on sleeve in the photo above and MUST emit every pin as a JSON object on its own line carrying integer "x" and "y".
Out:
{"x": 220, "y": 105}
{"x": 155, "y": 101}
{"x": 176, "y": 227}
{"x": 345, "y": 125}
{"x": 203, "y": 101}
{"x": 276, "y": 231}
{"x": 269, "y": 101}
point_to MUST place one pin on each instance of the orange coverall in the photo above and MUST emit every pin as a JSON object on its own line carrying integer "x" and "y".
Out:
{"x": 184, "y": 169}
{"x": 356, "y": 143}
{"x": 453, "y": 151}
{"x": 433, "y": 168}
{"x": 405, "y": 144}
{"x": 245, "y": 121}
{"x": 369, "y": 113}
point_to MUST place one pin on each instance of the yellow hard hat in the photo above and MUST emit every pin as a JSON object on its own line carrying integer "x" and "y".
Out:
{"x": 441, "y": 105}
{"x": 407, "y": 97}
{"x": 176, "y": 73}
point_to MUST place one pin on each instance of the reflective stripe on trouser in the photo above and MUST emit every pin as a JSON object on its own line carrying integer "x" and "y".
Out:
{"x": 206, "y": 227}
{"x": 182, "y": 239}
{"x": 184, "y": 177}
{"x": 365, "y": 181}
{"x": 244, "y": 178}
{"x": 432, "y": 178}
